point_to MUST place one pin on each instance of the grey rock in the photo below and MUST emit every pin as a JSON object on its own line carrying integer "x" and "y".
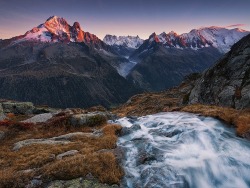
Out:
{"x": 129, "y": 130}
{"x": 67, "y": 153}
{"x": 42, "y": 110}
{"x": 35, "y": 183}
{"x": 39, "y": 118}
{"x": 63, "y": 139}
{"x": 226, "y": 97}
{"x": 84, "y": 119}
{"x": 18, "y": 107}
{"x": 244, "y": 101}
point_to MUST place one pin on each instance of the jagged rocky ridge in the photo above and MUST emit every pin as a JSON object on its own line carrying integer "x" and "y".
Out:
{"x": 126, "y": 41}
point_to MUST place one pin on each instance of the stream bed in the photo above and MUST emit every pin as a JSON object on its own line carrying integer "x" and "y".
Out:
{"x": 182, "y": 150}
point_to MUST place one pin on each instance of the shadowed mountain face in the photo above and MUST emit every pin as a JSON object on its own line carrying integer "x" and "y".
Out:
{"x": 161, "y": 68}
{"x": 164, "y": 60}
{"x": 60, "y": 75}
{"x": 228, "y": 82}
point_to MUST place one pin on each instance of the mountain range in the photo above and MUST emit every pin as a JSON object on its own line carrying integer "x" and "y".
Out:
{"x": 63, "y": 66}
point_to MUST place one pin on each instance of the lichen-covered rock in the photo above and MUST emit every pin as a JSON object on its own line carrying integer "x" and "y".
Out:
{"x": 228, "y": 82}
{"x": 91, "y": 119}
{"x": 18, "y": 107}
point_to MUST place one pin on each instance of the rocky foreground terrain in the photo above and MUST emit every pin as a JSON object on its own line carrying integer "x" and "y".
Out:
{"x": 44, "y": 147}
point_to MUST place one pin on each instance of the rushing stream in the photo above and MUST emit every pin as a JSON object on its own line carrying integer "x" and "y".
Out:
{"x": 183, "y": 150}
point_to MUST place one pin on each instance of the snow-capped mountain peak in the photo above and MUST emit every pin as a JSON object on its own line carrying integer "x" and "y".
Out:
{"x": 218, "y": 37}
{"x": 56, "y": 29}
{"x": 126, "y": 41}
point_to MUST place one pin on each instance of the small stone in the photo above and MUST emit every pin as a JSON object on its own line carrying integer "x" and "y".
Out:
{"x": 67, "y": 154}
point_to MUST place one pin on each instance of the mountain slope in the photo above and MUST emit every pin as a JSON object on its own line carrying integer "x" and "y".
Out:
{"x": 61, "y": 73}
{"x": 228, "y": 82}
{"x": 164, "y": 60}
{"x": 160, "y": 68}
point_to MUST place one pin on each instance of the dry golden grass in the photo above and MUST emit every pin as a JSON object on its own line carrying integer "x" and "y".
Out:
{"x": 101, "y": 165}
{"x": 226, "y": 114}
{"x": 238, "y": 118}
{"x": 148, "y": 103}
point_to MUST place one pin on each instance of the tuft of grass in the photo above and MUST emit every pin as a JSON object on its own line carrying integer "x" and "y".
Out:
{"x": 225, "y": 114}
{"x": 96, "y": 120}
{"x": 243, "y": 125}
{"x": 103, "y": 166}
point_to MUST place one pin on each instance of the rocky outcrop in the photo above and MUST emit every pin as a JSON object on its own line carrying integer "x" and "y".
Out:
{"x": 63, "y": 139}
{"x": 17, "y": 107}
{"x": 87, "y": 119}
{"x": 228, "y": 82}
{"x": 40, "y": 118}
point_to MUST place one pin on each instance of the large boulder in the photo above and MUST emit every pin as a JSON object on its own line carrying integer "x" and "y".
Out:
{"x": 18, "y": 107}
{"x": 91, "y": 119}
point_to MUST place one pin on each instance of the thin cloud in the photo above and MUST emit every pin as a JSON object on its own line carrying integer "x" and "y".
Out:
{"x": 236, "y": 25}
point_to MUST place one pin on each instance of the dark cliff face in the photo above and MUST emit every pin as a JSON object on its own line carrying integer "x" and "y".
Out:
{"x": 228, "y": 82}
{"x": 160, "y": 68}
{"x": 60, "y": 75}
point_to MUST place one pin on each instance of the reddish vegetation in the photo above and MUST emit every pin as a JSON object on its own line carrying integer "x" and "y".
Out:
{"x": 19, "y": 126}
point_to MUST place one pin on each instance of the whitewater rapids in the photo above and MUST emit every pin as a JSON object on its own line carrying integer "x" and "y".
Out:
{"x": 179, "y": 150}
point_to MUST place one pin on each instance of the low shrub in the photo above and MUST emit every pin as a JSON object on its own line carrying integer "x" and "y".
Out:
{"x": 96, "y": 120}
